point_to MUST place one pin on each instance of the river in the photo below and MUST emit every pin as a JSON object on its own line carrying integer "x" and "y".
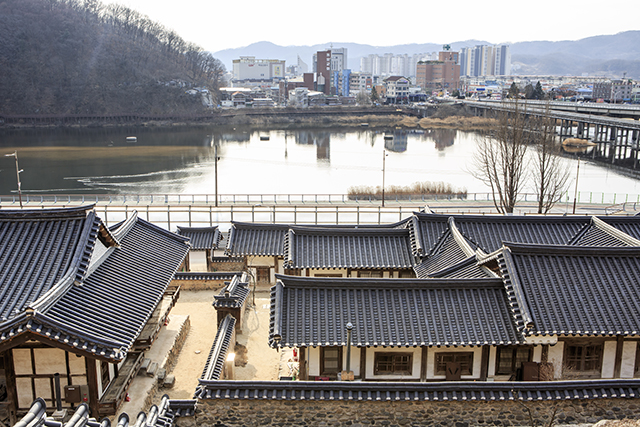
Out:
{"x": 319, "y": 161}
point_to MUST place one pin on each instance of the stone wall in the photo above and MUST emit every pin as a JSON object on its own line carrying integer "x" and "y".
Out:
{"x": 233, "y": 412}
{"x": 198, "y": 285}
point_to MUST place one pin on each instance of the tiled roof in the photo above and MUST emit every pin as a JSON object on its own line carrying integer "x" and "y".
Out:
{"x": 218, "y": 354}
{"x": 105, "y": 313}
{"x": 252, "y": 239}
{"x": 234, "y": 293}
{"x": 465, "y": 269}
{"x": 426, "y": 231}
{"x": 307, "y": 247}
{"x": 201, "y": 238}
{"x": 489, "y": 231}
{"x": 41, "y": 253}
{"x": 627, "y": 224}
{"x": 413, "y": 391}
{"x": 205, "y": 275}
{"x": 158, "y": 416}
{"x": 246, "y": 239}
{"x": 390, "y": 312}
{"x": 569, "y": 290}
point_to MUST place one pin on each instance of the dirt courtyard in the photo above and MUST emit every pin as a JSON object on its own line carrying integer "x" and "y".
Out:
{"x": 263, "y": 362}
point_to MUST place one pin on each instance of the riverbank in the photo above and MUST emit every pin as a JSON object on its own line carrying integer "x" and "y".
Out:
{"x": 451, "y": 117}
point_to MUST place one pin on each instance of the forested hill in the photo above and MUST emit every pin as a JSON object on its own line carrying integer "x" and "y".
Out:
{"x": 83, "y": 57}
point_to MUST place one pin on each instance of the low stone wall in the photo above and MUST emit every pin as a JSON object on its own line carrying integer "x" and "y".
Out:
{"x": 199, "y": 285}
{"x": 235, "y": 412}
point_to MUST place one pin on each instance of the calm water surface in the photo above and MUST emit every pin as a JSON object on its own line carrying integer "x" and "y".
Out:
{"x": 251, "y": 162}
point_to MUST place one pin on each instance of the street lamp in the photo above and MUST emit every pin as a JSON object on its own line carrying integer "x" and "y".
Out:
{"x": 18, "y": 171}
{"x": 348, "y": 371}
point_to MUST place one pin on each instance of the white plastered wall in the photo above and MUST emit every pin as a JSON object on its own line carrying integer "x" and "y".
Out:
{"x": 627, "y": 369}
{"x": 197, "y": 260}
{"x": 555, "y": 357}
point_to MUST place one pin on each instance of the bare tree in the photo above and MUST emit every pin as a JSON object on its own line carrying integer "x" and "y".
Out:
{"x": 500, "y": 157}
{"x": 550, "y": 174}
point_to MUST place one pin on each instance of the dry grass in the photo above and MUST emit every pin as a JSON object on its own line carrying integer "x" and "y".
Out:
{"x": 426, "y": 188}
{"x": 458, "y": 122}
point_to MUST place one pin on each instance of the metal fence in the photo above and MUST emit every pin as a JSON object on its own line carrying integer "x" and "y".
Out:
{"x": 172, "y": 210}
{"x": 287, "y": 199}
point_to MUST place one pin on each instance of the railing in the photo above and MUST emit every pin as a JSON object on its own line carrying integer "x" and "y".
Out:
{"x": 172, "y": 210}
{"x": 38, "y": 200}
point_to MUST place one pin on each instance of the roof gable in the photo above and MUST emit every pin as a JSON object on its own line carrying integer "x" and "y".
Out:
{"x": 41, "y": 253}
{"x": 201, "y": 238}
{"x": 556, "y": 290}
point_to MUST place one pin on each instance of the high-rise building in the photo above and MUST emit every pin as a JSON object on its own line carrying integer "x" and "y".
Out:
{"x": 483, "y": 60}
{"x": 326, "y": 63}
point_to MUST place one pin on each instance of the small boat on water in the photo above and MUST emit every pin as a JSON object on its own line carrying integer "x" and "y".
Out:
{"x": 132, "y": 139}
{"x": 264, "y": 137}
{"x": 388, "y": 136}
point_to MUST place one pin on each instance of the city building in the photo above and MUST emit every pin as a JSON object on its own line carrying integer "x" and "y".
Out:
{"x": 443, "y": 74}
{"x": 248, "y": 68}
{"x": 397, "y": 90}
{"x": 484, "y": 60}
{"x": 613, "y": 90}
{"x": 328, "y": 65}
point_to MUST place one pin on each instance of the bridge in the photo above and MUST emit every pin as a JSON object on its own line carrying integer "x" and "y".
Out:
{"x": 617, "y": 139}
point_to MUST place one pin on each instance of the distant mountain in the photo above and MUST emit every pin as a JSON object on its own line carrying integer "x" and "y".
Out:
{"x": 610, "y": 55}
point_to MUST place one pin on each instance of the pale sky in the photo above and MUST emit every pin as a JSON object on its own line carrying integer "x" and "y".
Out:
{"x": 218, "y": 25}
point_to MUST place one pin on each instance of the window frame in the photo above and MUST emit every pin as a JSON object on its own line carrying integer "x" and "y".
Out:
{"x": 323, "y": 370}
{"x": 456, "y": 356}
{"x": 260, "y": 274}
{"x": 580, "y": 372}
{"x": 395, "y": 364}
{"x": 513, "y": 349}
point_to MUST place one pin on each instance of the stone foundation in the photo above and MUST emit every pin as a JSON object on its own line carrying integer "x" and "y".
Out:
{"x": 235, "y": 412}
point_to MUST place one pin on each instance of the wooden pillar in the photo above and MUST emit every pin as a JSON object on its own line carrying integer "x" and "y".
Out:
{"x": 484, "y": 363}
{"x": 363, "y": 363}
{"x": 12, "y": 392}
{"x": 423, "y": 364}
{"x": 92, "y": 382}
{"x": 302, "y": 360}
{"x": 618, "y": 363}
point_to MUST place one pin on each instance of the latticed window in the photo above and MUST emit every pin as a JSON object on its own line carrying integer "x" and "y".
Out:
{"x": 393, "y": 363}
{"x": 263, "y": 274}
{"x": 331, "y": 360}
{"x": 510, "y": 358}
{"x": 583, "y": 359}
{"x": 465, "y": 359}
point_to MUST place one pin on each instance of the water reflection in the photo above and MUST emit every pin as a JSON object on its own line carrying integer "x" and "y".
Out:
{"x": 311, "y": 161}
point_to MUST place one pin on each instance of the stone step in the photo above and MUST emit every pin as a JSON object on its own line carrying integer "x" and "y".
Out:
{"x": 144, "y": 366}
{"x": 152, "y": 369}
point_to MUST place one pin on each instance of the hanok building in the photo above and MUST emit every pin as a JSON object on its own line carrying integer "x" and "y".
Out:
{"x": 403, "y": 329}
{"x": 204, "y": 241}
{"x": 464, "y": 245}
{"x": 556, "y": 312}
{"x": 333, "y": 250}
{"x": 348, "y": 252}
{"x": 80, "y": 302}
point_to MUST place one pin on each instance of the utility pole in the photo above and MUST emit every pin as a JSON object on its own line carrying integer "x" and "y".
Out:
{"x": 18, "y": 170}
{"x": 575, "y": 194}
{"x": 384, "y": 157}
{"x": 215, "y": 154}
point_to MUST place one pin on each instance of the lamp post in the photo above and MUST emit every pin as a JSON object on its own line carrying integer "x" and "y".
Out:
{"x": 384, "y": 157}
{"x": 18, "y": 171}
{"x": 349, "y": 328}
{"x": 575, "y": 194}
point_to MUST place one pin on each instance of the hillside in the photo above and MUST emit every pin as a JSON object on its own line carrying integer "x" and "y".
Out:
{"x": 82, "y": 57}
{"x": 608, "y": 55}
